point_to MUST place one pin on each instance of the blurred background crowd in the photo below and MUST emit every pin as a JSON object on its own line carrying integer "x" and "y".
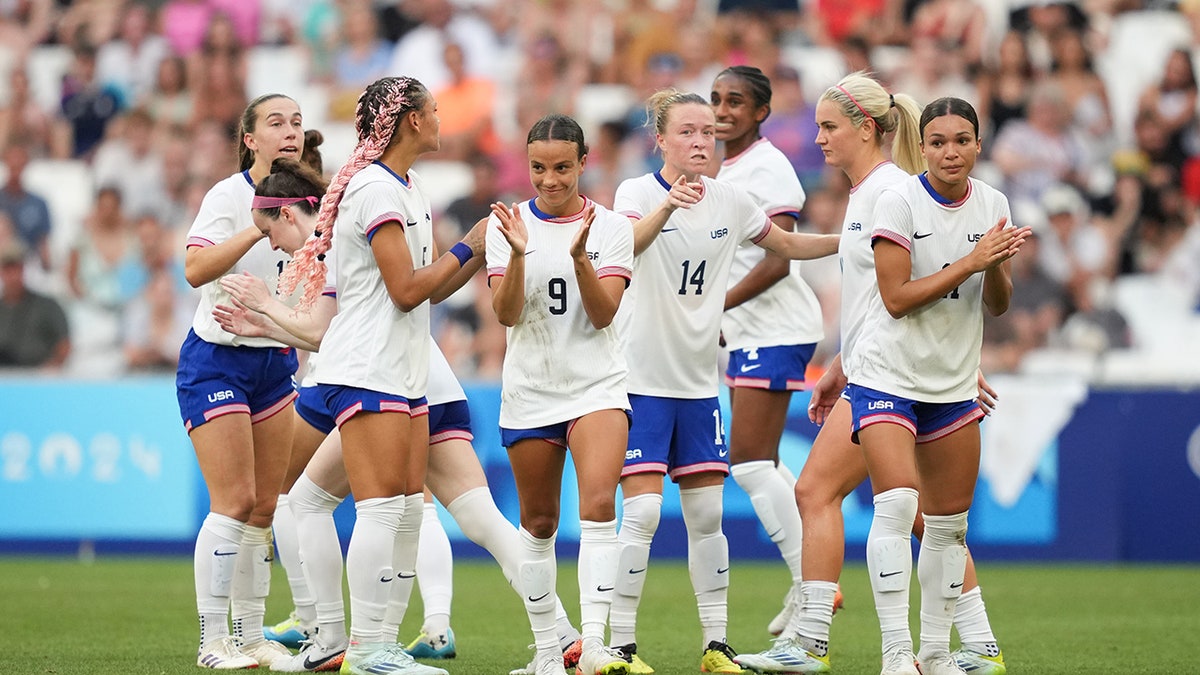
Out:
{"x": 117, "y": 116}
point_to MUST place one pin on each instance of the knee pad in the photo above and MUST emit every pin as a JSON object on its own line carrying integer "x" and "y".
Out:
{"x": 708, "y": 563}
{"x": 640, "y": 516}
{"x": 702, "y": 508}
{"x": 308, "y": 497}
{"x": 632, "y": 562}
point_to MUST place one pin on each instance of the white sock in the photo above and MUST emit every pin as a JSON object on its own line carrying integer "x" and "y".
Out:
{"x": 889, "y": 563}
{"x": 214, "y": 560}
{"x": 284, "y": 527}
{"x": 536, "y": 580}
{"x": 482, "y": 522}
{"x": 404, "y": 562}
{"x": 598, "y": 551}
{"x": 435, "y": 572}
{"x": 774, "y": 501}
{"x": 639, "y": 521}
{"x": 369, "y": 565}
{"x": 940, "y": 569}
{"x": 320, "y": 556}
{"x": 251, "y": 585}
{"x": 811, "y": 622}
{"x": 786, "y": 474}
{"x": 971, "y": 621}
{"x": 708, "y": 559}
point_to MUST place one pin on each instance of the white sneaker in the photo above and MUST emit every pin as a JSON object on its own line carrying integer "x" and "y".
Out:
{"x": 940, "y": 664}
{"x": 900, "y": 661}
{"x": 224, "y": 654}
{"x": 313, "y": 658}
{"x": 266, "y": 652}
{"x": 602, "y": 660}
{"x": 383, "y": 659}
{"x": 790, "y": 604}
{"x": 547, "y": 664}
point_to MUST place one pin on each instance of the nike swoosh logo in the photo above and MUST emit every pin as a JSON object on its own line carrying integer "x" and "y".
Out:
{"x": 772, "y": 534}
{"x": 633, "y": 571}
{"x": 384, "y": 580}
{"x": 311, "y": 665}
{"x": 226, "y": 553}
{"x": 402, "y": 575}
{"x": 883, "y": 575}
{"x": 723, "y": 570}
{"x": 958, "y": 585}
{"x": 722, "y": 453}
{"x": 669, "y": 229}
{"x": 602, "y": 589}
{"x": 540, "y": 597}
{"x": 528, "y": 252}
{"x": 918, "y": 235}
{"x": 746, "y": 369}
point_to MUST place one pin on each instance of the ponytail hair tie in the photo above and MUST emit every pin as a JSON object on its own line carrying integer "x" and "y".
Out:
{"x": 891, "y": 101}
{"x": 275, "y": 202}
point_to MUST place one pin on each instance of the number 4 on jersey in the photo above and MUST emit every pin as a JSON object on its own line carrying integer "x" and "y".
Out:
{"x": 696, "y": 279}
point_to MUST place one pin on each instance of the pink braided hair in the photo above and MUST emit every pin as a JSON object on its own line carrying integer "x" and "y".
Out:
{"x": 379, "y": 108}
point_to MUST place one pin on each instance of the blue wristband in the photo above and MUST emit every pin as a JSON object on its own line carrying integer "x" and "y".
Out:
{"x": 462, "y": 252}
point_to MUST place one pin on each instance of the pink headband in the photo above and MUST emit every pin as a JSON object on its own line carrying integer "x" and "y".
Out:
{"x": 856, "y": 105}
{"x": 276, "y": 202}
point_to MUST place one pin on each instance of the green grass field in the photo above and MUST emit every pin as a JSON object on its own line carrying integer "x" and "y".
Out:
{"x": 135, "y": 615}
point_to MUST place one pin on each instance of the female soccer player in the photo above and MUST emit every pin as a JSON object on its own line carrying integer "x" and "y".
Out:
{"x": 558, "y": 266}
{"x": 374, "y": 363}
{"x": 941, "y": 245}
{"x": 686, "y": 230}
{"x": 772, "y": 321}
{"x": 231, "y": 392}
{"x": 853, "y": 117}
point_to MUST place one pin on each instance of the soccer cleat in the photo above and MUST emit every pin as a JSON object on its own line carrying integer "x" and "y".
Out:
{"x": 437, "y": 646}
{"x": 224, "y": 654}
{"x": 602, "y": 660}
{"x": 383, "y": 659}
{"x": 547, "y": 664}
{"x": 266, "y": 652}
{"x": 974, "y": 663}
{"x": 791, "y": 603}
{"x": 636, "y": 665}
{"x": 839, "y": 600}
{"x": 290, "y": 632}
{"x": 785, "y": 656}
{"x": 572, "y": 653}
{"x": 313, "y": 658}
{"x": 939, "y": 664}
{"x": 718, "y": 658}
{"x": 900, "y": 661}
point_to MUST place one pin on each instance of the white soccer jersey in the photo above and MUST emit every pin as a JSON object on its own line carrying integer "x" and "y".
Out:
{"x": 671, "y": 316}
{"x": 787, "y": 313}
{"x": 370, "y": 343}
{"x": 932, "y": 354}
{"x": 557, "y": 366}
{"x": 856, "y": 256}
{"x": 224, "y": 212}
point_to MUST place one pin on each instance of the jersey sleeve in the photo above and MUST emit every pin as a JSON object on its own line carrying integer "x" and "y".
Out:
{"x": 777, "y": 190}
{"x": 626, "y": 200}
{"x": 214, "y": 223}
{"x": 375, "y": 205}
{"x": 498, "y": 248}
{"x": 891, "y": 219}
{"x": 616, "y": 248}
{"x": 753, "y": 221}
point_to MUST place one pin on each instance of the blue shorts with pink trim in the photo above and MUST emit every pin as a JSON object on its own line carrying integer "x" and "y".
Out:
{"x": 926, "y": 421}
{"x": 345, "y": 402}
{"x": 556, "y": 434}
{"x": 450, "y": 421}
{"x": 675, "y": 436}
{"x": 311, "y": 408}
{"x": 774, "y": 368}
{"x": 215, "y": 380}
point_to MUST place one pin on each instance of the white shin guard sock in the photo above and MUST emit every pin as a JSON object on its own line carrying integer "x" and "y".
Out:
{"x": 708, "y": 559}
{"x": 598, "y": 551}
{"x": 639, "y": 521}
{"x": 320, "y": 554}
{"x": 435, "y": 571}
{"x": 940, "y": 568}
{"x": 404, "y": 562}
{"x": 889, "y": 563}
{"x": 369, "y": 565}
{"x": 774, "y": 501}
{"x": 536, "y": 581}
{"x": 214, "y": 560}
{"x": 288, "y": 546}
{"x": 251, "y": 585}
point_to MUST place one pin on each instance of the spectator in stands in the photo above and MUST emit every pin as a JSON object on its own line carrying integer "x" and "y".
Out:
{"x": 130, "y": 161}
{"x": 1072, "y": 251}
{"x": 33, "y": 327}
{"x": 416, "y": 53}
{"x": 1040, "y": 151}
{"x": 87, "y": 106}
{"x": 934, "y": 69}
{"x": 1086, "y": 97}
{"x": 1038, "y": 307}
{"x": 184, "y": 25}
{"x": 360, "y": 58}
{"x": 170, "y": 101}
{"x": 1170, "y": 104}
{"x": 103, "y": 256}
{"x": 218, "y": 74}
{"x": 155, "y": 324}
{"x": 22, "y": 117}
{"x": 962, "y": 23}
{"x": 28, "y": 212}
{"x": 465, "y": 106}
{"x": 1003, "y": 88}
{"x": 792, "y": 127}
{"x": 129, "y": 63}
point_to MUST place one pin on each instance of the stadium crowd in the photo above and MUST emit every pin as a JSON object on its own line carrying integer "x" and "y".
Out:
{"x": 117, "y": 116}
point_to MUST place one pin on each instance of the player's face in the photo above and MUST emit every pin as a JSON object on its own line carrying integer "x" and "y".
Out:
{"x": 289, "y": 231}
{"x": 554, "y": 170}
{"x": 431, "y": 126}
{"x": 733, "y": 105}
{"x": 690, "y": 138}
{"x": 279, "y": 131}
{"x": 837, "y": 137}
{"x": 950, "y": 147}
